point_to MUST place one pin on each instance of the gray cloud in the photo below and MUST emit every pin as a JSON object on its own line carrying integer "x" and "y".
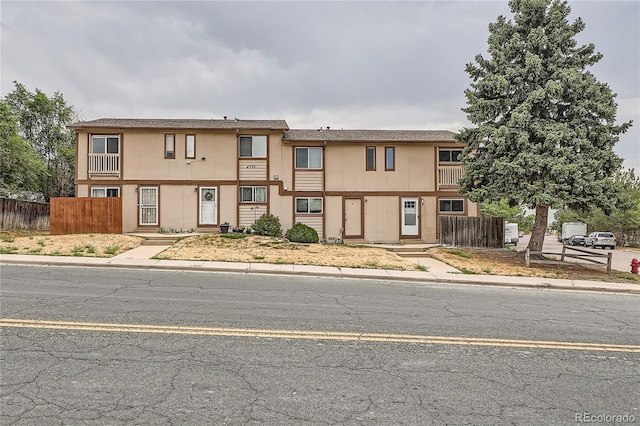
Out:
{"x": 343, "y": 64}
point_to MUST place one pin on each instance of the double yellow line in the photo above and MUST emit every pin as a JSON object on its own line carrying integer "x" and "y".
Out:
{"x": 316, "y": 335}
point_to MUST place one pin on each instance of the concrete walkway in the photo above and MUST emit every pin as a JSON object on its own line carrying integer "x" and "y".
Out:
{"x": 438, "y": 272}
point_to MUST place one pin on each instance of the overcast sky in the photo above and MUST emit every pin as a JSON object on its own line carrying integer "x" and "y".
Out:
{"x": 352, "y": 65}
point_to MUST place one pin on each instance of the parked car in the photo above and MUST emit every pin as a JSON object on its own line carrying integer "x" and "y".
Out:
{"x": 601, "y": 239}
{"x": 577, "y": 240}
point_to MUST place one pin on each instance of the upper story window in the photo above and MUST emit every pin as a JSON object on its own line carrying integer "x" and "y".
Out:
{"x": 449, "y": 155}
{"x": 451, "y": 206}
{"x": 389, "y": 158}
{"x": 105, "y": 144}
{"x": 371, "y": 158}
{"x": 105, "y": 192}
{"x": 253, "y": 194}
{"x": 169, "y": 145}
{"x": 309, "y": 158}
{"x": 253, "y": 146}
{"x": 308, "y": 205}
{"x": 190, "y": 146}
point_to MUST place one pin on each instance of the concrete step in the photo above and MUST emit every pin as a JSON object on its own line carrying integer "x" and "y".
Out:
{"x": 159, "y": 242}
{"x": 412, "y": 254}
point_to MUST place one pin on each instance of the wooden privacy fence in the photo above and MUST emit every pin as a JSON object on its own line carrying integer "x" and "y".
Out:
{"x": 471, "y": 231}
{"x": 86, "y": 215}
{"x": 21, "y": 214}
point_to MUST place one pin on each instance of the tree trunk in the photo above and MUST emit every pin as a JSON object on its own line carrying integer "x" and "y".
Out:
{"x": 539, "y": 228}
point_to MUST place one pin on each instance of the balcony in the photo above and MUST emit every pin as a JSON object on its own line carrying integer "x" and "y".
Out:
{"x": 104, "y": 164}
{"x": 448, "y": 176}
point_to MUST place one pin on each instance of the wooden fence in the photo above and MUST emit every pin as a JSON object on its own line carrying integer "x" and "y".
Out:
{"x": 471, "y": 231}
{"x": 21, "y": 214}
{"x": 86, "y": 215}
{"x": 586, "y": 254}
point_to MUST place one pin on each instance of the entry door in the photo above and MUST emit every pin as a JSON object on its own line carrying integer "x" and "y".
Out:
{"x": 409, "y": 216}
{"x": 148, "y": 205}
{"x": 208, "y": 206}
{"x": 353, "y": 217}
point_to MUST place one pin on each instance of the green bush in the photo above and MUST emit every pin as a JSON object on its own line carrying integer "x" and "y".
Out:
{"x": 301, "y": 233}
{"x": 268, "y": 225}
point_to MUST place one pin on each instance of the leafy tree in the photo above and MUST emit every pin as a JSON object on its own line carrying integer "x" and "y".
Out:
{"x": 21, "y": 170}
{"x": 544, "y": 125}
{"x": 512, "y": 214}
{"x": 41, "y": 122}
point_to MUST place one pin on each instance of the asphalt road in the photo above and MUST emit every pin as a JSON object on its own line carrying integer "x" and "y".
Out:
{"x": 156, "y": 347}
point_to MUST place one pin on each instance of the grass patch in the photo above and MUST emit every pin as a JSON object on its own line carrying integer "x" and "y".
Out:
{"x": 233, "y": 236}
{"x": 460, "y": 253}
{"x": 466, "y": 271}
{"x": 35, "y": 251}
{"x": 7, "y": 238}
{"x": 41, "y": 243}
{"x": 258, "y": 257}
{"x": 422, "y": 268}
{"x": 8, "y": 250}
{"x": 111, "y": 249}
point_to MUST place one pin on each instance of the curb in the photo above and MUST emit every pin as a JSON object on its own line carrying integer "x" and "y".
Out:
{"x": 340, "y": 274}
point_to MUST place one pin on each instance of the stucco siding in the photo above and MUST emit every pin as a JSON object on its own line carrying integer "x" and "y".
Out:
{"x": 382, "y": 219}
{"x": 333, "y": 215}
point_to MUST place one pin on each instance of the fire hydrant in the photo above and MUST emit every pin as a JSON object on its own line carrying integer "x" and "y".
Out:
{"x": 634, "y": 265}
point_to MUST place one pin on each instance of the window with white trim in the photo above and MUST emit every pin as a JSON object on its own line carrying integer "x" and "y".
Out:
{"x": 309, "y": 205}
{"x": 253, "y": 146}
{"x": 449, "y": 155}
{"x": 309, "y": 158}
{"x": 105, "y": 144}
{"x": 253, "y": 194}
{"x": 105, "y": 192}
{"x": 451, "y": 206}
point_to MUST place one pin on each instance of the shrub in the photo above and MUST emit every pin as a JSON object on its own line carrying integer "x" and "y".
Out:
{"x": 301, "y": 233}
{"x": 268, "y": 225}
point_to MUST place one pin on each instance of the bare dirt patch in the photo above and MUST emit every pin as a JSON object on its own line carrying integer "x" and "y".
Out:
{"x": 511, "y": 263}
{"x": 258, "y": 249}
{"x": 88, "y": 245}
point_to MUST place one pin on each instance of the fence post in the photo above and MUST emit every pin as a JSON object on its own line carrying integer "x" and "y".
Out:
{"x": 526, "y": 257}
{"x": 609, "y": 257}
{"x": 564, "y": 248}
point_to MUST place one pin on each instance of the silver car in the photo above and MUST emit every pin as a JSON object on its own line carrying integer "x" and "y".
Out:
{"x": 601, "y": 239}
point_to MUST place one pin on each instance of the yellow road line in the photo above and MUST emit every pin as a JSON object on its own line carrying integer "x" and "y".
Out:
{"x": 317, "y": 335}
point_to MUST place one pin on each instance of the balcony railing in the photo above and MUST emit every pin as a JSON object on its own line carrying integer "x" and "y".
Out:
{"x": 448, "y": 176}
{"x": 104, "y": 164}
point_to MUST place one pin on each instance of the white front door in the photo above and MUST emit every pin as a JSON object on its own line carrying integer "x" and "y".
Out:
{"x": 409, "y": 216}
{"x": 148, "y": 205}
{"x": 208, "y": 206}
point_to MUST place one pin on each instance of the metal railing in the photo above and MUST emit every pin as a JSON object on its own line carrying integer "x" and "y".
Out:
{"x": 104, "y": 164}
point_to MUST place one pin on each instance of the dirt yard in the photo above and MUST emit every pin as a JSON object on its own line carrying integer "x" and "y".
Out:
{"x": 257, "y": 249}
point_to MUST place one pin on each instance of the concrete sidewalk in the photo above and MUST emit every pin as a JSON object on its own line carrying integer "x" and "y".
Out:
{"x": 438, "y": 272}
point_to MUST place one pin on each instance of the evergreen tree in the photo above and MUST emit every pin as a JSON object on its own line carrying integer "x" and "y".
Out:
{"x": 544, "y": 125}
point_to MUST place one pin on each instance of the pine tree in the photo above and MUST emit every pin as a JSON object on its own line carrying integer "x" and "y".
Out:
{"x": 544, "y": 125}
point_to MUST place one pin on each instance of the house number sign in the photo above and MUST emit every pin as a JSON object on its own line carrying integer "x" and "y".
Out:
{"x": 251, "y": 166}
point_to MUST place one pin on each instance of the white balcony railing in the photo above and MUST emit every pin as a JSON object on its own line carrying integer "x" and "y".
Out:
{"x": 104, "y": 164}
{"x": 448, "y": 176}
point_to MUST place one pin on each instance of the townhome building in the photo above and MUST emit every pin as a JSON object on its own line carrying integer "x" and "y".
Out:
{"x": 351, "y": 185}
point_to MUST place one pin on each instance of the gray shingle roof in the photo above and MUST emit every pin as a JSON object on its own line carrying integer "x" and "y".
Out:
{"x": 299, "y": 135}
{"x": 179, "y": 124}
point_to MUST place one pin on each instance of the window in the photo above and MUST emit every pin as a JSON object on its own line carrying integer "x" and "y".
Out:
{"x": 253, "y": 146}
{"x": 451, "y": 206}
{"x": 253, "y": 194}
{"x": 190, "y": 146}
{"x": 105, "y": 192}
{"x": 105, "y": 144}
{"x": 371, "y": 158}
{"x": 389, "y": 158}
{"x": 449, "y": 155}
{"x": 309, "y": 158}
{"x": 309, "y": 205}
{"x": 169, "y": 146}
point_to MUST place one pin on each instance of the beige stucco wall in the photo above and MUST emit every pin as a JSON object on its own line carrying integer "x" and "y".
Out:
{"x": 346, "y": 169}
{"x": 281, "y": 207}
{"x": 129, "y": 208}
{"x": 82, "y": 154}
{"x": 178, "y": 208}
{"x": 381, "y": 218}
{"x": 228, "y": 202}
{"x": 280, "y": 161}
{"x": 333, "y": 216}
{"x": 428, "y": 219}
